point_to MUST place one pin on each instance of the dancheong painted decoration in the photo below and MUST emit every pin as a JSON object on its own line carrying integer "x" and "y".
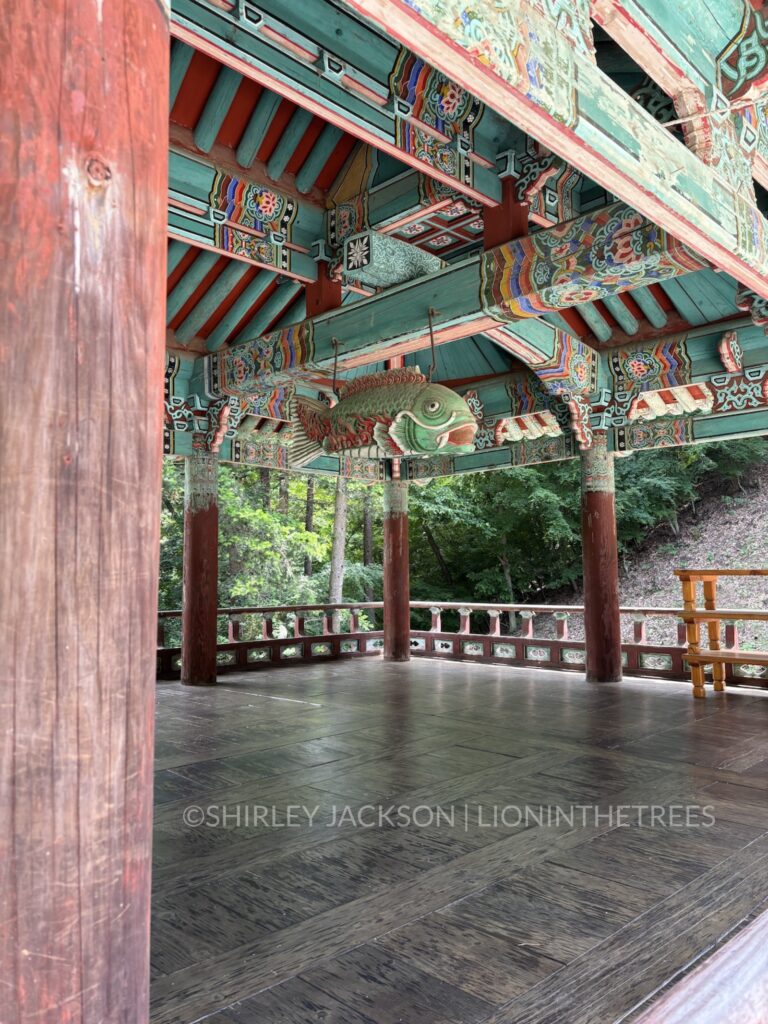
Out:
{"x": 558, "y": 205}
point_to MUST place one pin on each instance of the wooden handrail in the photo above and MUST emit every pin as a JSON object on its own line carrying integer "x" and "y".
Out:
{"x": 689, "y": 574}
{"x": 714, "y": 654}
{"x": 537, "y": 609}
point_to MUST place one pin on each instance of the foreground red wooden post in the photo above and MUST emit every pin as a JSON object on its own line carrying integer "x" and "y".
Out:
{"x": 201, "y": 569}
{"x": 397, "y": 594}
{"x": 602, "y": 628}
{"x": 83, "y": 250}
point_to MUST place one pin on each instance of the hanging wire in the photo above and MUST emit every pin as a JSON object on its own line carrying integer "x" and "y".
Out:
{"x": 711, "y": 112}
{"x": 433, "y": 366}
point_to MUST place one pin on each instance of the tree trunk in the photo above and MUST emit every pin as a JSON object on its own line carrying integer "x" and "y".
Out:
{"x": 283, "y": 495}
{"x": 368, "y": 538}
{"x": 265, "y": 489}
{"x": 504, "y": 561}
{"x": 336, "y": 586}
{"x": 309, "y": 520}
{"x": 432, "y": 541}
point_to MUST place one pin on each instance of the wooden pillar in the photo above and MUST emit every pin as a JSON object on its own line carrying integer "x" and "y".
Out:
{"x": 324, "y": 293}
{"x": 508, "y": 220}
{"x": 397, "y": 593}
{"x": 602, "y": 629}
{"x": 201, "y": 569}
{"x": 83, "y": 175}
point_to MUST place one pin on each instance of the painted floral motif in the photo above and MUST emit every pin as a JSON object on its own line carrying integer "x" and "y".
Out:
{"x": 665, "y": 365}
{"x": 437, "y": 108}
{"x": 600, "y": 253}
{"x": 250, "y": 205}
{"x": 358, "y": 253}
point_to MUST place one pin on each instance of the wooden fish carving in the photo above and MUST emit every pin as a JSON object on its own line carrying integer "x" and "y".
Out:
{"x": 391, "y": 414}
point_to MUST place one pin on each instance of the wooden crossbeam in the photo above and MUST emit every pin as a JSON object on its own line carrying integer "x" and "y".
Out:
{"x": 498, "y": 292}
{"x": 576, "y": 110}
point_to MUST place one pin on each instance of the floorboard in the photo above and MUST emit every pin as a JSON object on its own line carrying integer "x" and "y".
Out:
{"x": 565, "y": 909}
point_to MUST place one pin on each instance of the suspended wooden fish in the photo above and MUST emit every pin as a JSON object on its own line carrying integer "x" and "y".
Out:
{"x": 391, "y": 414}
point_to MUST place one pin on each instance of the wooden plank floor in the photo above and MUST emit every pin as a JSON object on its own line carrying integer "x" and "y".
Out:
{"x": 287, "y": 922}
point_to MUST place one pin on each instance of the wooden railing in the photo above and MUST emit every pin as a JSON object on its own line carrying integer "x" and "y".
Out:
{"x": 724, "y": 660}
{"x": 534, "y": 636}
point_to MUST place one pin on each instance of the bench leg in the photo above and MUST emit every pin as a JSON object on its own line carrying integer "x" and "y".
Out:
{"x": 697, "y": 678}
{"x": 692, "y": 635}
{"x": 713, "y": 632}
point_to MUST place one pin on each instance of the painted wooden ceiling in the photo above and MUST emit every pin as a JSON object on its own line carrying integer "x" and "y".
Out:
{"x": 301, "y": 118}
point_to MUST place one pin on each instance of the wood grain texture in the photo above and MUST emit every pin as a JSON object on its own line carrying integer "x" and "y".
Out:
{"x": 731, "y": 986}
{"x": 600, "y": 555}
{"x": 389, "y": 924}
{"x": 397, "y": 593}
{"x": 83, "y": 174}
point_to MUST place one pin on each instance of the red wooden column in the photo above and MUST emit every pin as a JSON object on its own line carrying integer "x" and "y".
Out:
{"x": 397, "y": 592}
{"x": 508, "y": 220}
{"x": 83, "y": 176}
{"x": 601, "y": 563}
{"x": 201, "y": 569}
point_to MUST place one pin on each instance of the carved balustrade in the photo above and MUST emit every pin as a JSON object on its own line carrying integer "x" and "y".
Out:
{"x": 533, "y": 636}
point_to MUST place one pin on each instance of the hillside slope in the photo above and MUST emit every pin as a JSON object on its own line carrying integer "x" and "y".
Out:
{"x": 724, "y": 532}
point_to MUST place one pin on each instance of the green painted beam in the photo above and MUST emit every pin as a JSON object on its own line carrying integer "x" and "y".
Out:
{"x": 181, "y": 58}
{"x": 683, "y": 303}
{"x": 621, "y": 314}
{"x": 321, "y": 151}
{"x": 295, "y": 313}
{"x": 189, "y": 282}
{"x": 578, "y": 112}
{"x": 210, "y": 302}
{"x": 675, "y": 40}
{"x": 652, "y": 311}
{"x": 176, "y": 252}
{"x": 595, "y": 320}
{"x": 240, "y": 307}
{"x": 216, "y": 108}
{"x": 257, "y": 127}
{"x": 463, "y": 300}
{"x": 271, "y": 309}
{"x": 287, "y": 143}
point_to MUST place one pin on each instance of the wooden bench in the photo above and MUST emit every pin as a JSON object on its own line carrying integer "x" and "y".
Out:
{"x": 693, "y": 617}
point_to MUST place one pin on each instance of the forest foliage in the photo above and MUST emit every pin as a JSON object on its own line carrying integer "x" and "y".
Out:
{"x": 507, "y": 536}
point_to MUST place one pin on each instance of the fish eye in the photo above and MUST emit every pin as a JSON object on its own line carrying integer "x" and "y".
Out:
{"x": 433, "y": 406}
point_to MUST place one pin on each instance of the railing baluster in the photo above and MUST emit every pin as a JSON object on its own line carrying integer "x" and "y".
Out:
{"x": 639, "y": 630}
{"x": 527, "y": 628}
{"x": 327, "y": 622}
{"x": 464, "y": 620}
{"x": 561, "y": 625}
{"x": 354, "y": 620}
{"x": 161, "y": 632}
{"x": 267, "y": 629}
{"x": 298, "y": 625}
{"x": 437, "y": 620}
{"x": 494, "y": 624}
{"x": 234, "y": 623}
